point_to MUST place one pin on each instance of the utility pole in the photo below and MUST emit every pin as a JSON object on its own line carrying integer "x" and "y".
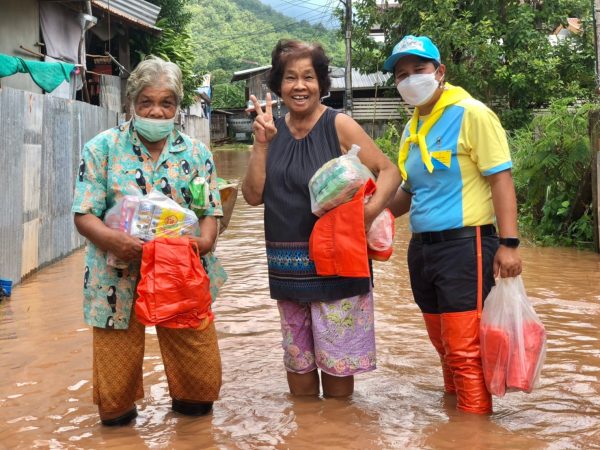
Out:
{"x": 348, "y": 71}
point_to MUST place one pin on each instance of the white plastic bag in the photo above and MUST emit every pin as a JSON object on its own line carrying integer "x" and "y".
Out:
{"x": 513, "y": 339}
{"x": 149, "y": 217}
{"x": 337, "y": 181}
{"x": 380, "y": 237}
{"x": 381, "y": 234}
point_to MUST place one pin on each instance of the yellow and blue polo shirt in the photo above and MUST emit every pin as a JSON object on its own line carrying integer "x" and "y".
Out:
{"x": 466, "y": 144}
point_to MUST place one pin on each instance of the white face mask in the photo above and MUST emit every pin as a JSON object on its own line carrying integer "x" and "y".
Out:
{"x": 418, "y": 89}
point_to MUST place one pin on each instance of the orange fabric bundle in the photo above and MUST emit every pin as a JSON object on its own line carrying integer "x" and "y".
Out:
{"x": 511, "y": 365}
{"x": 494, "y": 358}
{"x": 338, "y": 242}
{"x": 522, "y": 369}
{"x": 174, "y": 289}
{"x": 512, "y": 339}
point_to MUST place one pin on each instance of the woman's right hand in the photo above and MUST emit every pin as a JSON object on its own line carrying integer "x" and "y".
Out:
{"x": 125, "y": 247}
{"x": 263, "y": 126}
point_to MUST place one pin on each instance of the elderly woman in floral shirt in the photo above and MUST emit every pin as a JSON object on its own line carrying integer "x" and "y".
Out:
{"x": 143, "y": 154}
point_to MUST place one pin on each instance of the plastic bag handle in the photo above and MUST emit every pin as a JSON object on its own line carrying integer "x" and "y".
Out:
{"x": 479, "y": 272}
{"x": 195, "y": 247}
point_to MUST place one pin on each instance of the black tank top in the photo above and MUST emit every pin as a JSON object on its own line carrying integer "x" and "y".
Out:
{"x": 288, "y": 218}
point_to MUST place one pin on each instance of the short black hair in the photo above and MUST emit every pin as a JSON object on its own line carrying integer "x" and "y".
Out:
{"x": 288, "y": 50}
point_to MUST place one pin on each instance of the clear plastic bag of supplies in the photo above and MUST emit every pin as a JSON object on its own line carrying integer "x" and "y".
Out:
{"x": 513, "y": 339}
{"x": 380, "y": 237}
{"x": 149, "y": 217}
{"x": 337, "y": 181}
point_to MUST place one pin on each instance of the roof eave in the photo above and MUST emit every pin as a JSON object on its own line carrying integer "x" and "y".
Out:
{"x": 127, "y": 18}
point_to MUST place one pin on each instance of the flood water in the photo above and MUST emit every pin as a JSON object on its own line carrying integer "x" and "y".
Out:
{"x": 45, "y": 365}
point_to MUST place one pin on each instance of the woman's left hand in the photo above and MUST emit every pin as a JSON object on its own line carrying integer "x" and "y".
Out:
{"x": 507, "y": 262}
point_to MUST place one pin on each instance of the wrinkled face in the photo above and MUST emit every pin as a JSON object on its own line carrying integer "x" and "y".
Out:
{"x": 411, "y": 65}
{"x": 156, "y": 102}
{"x": 300, "y": 86}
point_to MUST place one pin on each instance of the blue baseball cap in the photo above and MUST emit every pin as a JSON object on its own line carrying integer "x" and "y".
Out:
{"x": 412, "y": 45}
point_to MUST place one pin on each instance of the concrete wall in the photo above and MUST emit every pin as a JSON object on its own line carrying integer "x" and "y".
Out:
{"x": 19, "y": 25}
{"x": 40, "y": 142}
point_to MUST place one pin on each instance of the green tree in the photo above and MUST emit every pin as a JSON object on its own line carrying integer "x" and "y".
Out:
{"x": 497, "y": 49}
{"x": 552, "y": 173}
{"x": 227, "y": 94}
{"x": 174, "y": 43}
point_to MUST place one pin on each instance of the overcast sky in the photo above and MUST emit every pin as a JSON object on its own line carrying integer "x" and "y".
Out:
{"x": 313, "y": 11}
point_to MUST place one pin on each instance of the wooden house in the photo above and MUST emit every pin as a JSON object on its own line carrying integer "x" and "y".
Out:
{"x": 92, "y": 34}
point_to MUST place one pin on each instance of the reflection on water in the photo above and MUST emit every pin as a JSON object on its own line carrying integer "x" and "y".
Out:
{"x": 45, "y": 365}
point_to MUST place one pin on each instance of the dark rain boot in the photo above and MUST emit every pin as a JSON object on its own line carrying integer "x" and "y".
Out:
{"x": 460, "y": 337}
{"x": 434, "y": 330}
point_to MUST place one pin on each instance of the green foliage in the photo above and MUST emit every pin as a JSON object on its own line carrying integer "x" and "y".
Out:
{"x": 389, "y": 143}
{"x": 496, "y": 49}
{"x": 227, "y": 94}
{"x": 174, "y": 43}
{"x": 174, "y": 12}
{"x": 552, "y": 172}
{"x": 177, "y": 47}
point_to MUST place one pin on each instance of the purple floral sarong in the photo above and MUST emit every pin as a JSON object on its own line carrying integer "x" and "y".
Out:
{"x": 337, "y": 337}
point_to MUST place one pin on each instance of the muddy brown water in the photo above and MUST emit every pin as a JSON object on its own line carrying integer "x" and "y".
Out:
{"x": 45, "y": 365}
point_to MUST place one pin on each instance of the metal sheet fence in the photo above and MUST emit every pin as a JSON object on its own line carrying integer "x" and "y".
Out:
{"x": 40, "y": 142}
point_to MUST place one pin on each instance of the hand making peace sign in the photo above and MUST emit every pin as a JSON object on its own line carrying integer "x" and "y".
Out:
{"x": 264, "y": 126}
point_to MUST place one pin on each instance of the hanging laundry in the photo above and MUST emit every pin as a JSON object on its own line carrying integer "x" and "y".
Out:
{"x": 47, "y": 75}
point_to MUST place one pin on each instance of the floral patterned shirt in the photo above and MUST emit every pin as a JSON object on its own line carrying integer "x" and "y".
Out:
{"x": 116, "y": 163}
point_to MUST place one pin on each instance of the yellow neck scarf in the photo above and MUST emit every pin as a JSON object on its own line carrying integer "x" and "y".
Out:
{"x": 450, "y": 96}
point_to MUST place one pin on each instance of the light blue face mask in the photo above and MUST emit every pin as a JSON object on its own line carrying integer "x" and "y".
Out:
{"x": 154, "y": 129}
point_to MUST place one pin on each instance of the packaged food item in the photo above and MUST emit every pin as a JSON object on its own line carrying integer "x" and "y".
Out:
{"x": 337, "y": 181}
{"x": 149, "y": 217}
{"x": 200, "y": 190}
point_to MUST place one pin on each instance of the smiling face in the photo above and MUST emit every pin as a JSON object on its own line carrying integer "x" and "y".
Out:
{"x": 300, "y": 86}
{"x": 156, "y": 102}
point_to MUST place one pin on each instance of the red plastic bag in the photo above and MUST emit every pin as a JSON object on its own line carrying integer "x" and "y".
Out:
{"x": 174, "y": 289}
{"x": 513, "y": 339}
{"x": 338, "y": 242}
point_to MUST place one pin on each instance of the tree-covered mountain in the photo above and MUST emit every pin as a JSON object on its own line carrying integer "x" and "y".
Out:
{"x": 233, "y": 35}
{"x": 224, "y": 36}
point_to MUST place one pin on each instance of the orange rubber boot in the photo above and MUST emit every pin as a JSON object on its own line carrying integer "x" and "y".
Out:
{"x": 433, "y": 324}
{"x": 460, "y": 337}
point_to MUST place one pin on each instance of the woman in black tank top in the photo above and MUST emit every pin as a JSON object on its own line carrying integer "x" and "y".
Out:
{"x": 286, "y": 154}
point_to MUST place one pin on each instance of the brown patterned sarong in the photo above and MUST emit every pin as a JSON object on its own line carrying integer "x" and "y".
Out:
{"x": 118, "y": 366}
{"x": 192, "y": 362}
{"x": 191, "y": 358}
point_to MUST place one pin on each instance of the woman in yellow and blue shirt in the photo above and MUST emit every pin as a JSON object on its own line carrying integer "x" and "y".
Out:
{"x": 458, "y": 189}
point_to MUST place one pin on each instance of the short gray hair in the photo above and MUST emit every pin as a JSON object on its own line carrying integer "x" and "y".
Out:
{"x": 152, "y": 71}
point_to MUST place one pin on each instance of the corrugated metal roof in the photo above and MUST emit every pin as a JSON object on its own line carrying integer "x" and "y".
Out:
{"x": 359, "y": 80}
{"x": 338, "y": 82}
{"x": 138, "y": 12}
{"x": 245, "y": 74}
